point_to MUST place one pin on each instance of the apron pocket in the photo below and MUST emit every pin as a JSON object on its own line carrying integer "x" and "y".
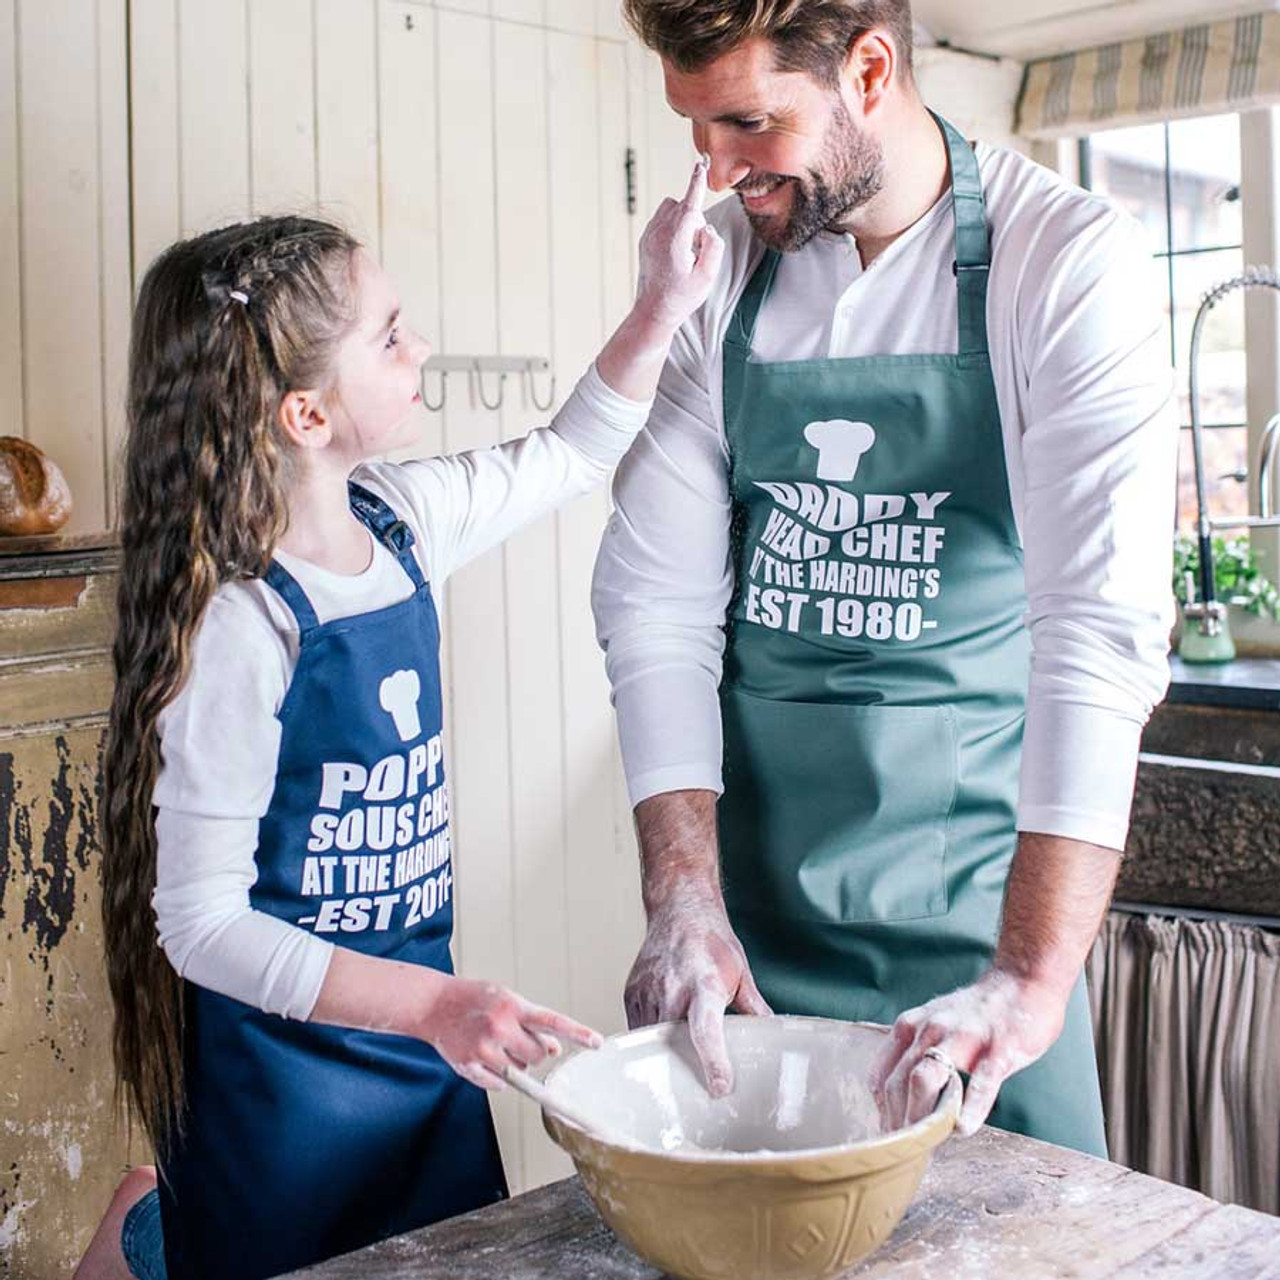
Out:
{"x": 836, "y": 814}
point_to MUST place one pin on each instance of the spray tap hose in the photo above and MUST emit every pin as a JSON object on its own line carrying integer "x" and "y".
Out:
{"x": 1250, "y": 278}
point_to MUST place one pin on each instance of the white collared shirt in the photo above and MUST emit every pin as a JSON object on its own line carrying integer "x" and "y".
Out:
{"x": 1082, "y": 377}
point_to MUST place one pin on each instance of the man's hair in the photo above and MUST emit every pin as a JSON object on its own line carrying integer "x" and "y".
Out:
{"x": 806, "y": 35}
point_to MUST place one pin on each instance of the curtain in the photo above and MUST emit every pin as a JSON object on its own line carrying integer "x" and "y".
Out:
{"x": 1231, "y": 65}
{"x": 1187, "y": 1019}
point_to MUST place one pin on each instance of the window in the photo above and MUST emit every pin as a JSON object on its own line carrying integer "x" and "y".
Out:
{"x": 1181, "y": 179}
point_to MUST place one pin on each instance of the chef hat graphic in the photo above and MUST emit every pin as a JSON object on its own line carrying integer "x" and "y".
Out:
{"x": 398, "y": 694}
{"x": 840, "y": 446}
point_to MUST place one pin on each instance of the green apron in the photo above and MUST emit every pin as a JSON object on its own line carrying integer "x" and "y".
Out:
{"x": 875, "y": 680}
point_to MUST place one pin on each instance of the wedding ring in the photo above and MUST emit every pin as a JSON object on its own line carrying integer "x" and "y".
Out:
{"x": 938, "y": 1056}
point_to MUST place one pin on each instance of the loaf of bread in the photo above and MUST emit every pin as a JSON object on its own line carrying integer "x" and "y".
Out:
{"x": 34, "y": 497}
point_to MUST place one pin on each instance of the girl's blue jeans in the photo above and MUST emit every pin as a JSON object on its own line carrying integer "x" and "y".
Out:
{"x": 141, "y": 1239}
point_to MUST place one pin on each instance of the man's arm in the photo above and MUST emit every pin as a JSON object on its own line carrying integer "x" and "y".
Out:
{"x": 1056, "y": 896}
{"x": 691, "y": 964}
{"x": 662, "y": 582}
{"x": 1099, "y": 456}
{"x": 1057, "y": 893}
{"x": 661, "y": 586}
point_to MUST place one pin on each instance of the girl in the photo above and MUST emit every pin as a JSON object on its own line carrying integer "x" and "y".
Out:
{"x": 307, "y": 1066}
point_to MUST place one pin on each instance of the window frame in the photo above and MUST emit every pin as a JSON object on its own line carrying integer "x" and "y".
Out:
{"x": 1169, "y": 255}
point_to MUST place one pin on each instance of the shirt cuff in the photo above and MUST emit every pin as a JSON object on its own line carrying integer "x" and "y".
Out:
{"x": 1103, "y": 829}
{"x": 598, "y": 422}
{"x": 1078, "y": 768}
{"x": 676, "y": 777}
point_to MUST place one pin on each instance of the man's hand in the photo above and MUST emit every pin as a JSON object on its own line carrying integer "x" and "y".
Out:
{"x": 989, "y": 1030}
{"x": 692, "y": 966}
{"x": 1055, "y": 898}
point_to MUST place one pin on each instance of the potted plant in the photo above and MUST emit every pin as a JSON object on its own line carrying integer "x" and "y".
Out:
{"x": 1237, "y": 579}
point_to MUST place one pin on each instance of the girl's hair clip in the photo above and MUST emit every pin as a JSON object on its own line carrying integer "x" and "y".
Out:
{"x": 240, "y": 296}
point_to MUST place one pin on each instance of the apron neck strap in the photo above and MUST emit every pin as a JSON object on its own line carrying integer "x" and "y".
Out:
{"x": 285, "y": 585}
{"x": 742, "y": 328}
{"x": 971, "y": 267}
{"x": 383, "y": 523}
{"x": 973, "y": 240}
{"x": 387, "y": 527}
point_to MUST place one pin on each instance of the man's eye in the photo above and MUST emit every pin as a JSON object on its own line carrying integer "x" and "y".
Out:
{"x": 752, "y": 126}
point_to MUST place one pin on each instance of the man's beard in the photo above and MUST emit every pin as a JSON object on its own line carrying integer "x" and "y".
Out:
{"x": 849, "y": 172}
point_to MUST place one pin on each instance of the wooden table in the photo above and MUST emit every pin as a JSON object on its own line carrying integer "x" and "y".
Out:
{"x": 994, "y": 1207}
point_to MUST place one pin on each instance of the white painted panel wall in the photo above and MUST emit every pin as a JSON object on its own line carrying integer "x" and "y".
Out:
{"x": 156, "y": 172}
{"x": 282, "y": 105}
{"x": 978, "y": 95}
{"x": 63, "y": 240}
{"x": 116, "y": 266}
{"x": 534, "y": 601}
{"x": 216, "y": 176}
{"x": 11, "y": 373}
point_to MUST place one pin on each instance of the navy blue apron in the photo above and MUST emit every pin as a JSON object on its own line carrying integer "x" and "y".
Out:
{"x": 304, "y": 1141}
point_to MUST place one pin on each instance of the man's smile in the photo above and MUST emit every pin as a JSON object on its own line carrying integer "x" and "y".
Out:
{"x": 756, "y": 193}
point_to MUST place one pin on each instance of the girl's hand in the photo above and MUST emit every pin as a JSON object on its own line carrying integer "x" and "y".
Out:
{"x": 679, "y": 257}
{"x": 680, "y": 254}
{"x": 480, "y": 1028}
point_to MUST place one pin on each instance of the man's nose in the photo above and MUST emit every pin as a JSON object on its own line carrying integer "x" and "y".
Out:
{"x": 725, "y": 170}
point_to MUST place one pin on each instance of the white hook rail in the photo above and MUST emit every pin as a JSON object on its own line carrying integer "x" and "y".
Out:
{"x": 476, "y": 367}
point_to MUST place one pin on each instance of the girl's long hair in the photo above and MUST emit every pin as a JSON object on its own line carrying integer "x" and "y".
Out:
{"x": 226, "y": 323}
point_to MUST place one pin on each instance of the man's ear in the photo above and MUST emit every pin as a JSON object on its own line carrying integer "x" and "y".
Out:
{"x": 870, "y": 68}
{"x": 304, "y": 421}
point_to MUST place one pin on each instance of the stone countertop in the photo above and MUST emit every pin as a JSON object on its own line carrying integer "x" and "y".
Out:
{"x": 1244, "y": 683}
{"x": 994, "y": 1207}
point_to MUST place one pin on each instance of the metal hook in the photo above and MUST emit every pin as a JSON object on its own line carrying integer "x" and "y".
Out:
{"x": 444, "y": 391}
{"x": 533, "y": 395}
{"x": 502, "y": 377}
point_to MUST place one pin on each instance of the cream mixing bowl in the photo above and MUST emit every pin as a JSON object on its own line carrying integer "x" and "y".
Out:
{"x": 789, "y": 1176}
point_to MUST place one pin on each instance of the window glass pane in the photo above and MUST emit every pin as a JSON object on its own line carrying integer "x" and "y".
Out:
{"x": 1222, "y": 364}
{"x": 1204, "y": 173}
{"x": 1226, "y": 453}
{"x": 1128, "y": 166}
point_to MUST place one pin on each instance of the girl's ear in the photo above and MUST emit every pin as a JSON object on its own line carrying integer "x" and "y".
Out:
{"x": 304, "y": 421}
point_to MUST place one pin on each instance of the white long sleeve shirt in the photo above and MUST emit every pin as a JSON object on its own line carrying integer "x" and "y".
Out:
{"x": 1090, "y": 440}
{"x": 220, "y": 738}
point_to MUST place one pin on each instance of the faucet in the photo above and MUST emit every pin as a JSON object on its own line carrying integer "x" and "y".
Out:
{"x": 1210, "y": 611}
{"x": 1266, "y": 460}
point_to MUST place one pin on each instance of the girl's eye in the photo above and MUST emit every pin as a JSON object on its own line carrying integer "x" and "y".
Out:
{"x": 393, "y": 337}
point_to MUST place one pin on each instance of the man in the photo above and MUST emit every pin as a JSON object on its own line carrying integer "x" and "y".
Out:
{"x": 895, "y": 544}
